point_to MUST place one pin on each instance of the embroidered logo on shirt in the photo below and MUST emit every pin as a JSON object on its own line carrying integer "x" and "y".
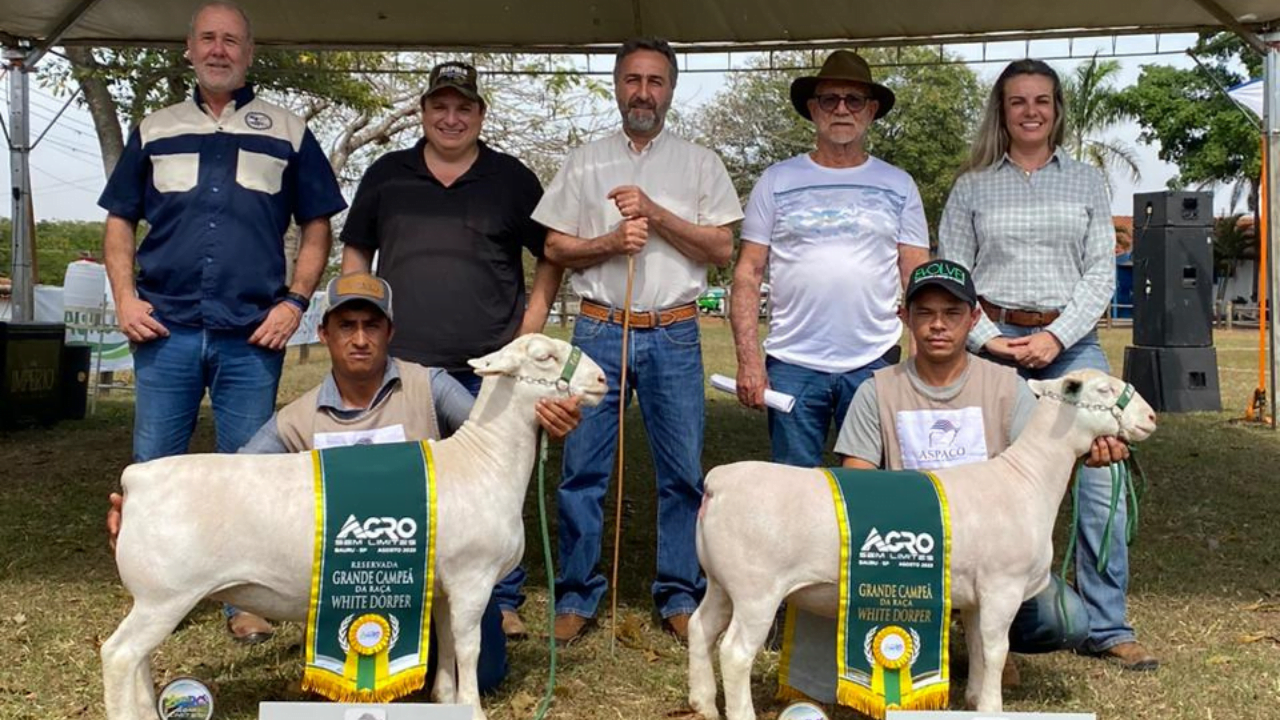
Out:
{"x": 943, "y": 433}
{"x": 258, "y": 121}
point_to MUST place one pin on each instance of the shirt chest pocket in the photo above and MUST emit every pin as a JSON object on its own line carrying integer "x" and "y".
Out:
{"x": 175, "y": 172}
{"x": 260, "y": 172}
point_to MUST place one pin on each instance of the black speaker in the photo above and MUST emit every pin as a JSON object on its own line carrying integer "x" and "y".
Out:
{"x": 1182, "y": 379}
{"x": 1172, "y": 209}
{"x": 76, "y": 358}
{"x": 30, "y": 373}
{"x": 1173, "y": 287}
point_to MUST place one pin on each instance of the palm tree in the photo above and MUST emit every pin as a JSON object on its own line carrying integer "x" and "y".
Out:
{"x": 1092, "y": 108}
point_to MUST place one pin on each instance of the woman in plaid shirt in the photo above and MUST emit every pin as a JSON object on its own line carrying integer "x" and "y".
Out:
{"x": 1035, "y": 227}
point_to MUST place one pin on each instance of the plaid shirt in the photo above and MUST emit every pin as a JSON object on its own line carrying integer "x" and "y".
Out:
{"x": 1042, "y": 240}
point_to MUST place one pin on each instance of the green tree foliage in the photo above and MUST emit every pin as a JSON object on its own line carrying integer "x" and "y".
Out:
{"x": 60, "y": 242}
{"x": 1093, "y": 107}
{"x": 1198, "y": 129}
{"x": 751, "y": 123}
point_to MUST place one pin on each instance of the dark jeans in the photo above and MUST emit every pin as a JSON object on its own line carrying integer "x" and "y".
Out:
{"x": 665, "y": 373}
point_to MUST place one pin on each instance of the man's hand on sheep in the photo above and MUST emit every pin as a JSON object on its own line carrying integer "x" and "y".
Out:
{"x": 559, "y": 416}
{"x": 1106, "y": 451}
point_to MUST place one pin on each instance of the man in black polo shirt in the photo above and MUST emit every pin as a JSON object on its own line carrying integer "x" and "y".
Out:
{"x": 449, "y": 219}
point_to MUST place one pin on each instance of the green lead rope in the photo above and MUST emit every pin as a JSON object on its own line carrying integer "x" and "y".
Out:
{"x": 1123, "y": 484}
{"x": 551, "y": 573}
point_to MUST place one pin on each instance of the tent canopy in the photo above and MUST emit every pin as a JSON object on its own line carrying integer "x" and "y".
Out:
{"x": 554, "y": 24}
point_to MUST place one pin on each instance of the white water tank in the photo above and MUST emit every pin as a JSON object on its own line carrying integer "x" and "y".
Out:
{"x": 85, "y": 285}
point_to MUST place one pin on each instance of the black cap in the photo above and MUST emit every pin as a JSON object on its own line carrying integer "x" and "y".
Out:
{"x": 454, "y": 75}
{"x": 950, "y": 276}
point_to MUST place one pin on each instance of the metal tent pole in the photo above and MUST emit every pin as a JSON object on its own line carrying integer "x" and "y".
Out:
{"x": 22, "y": 301}
{"x": 1271, "y": 165}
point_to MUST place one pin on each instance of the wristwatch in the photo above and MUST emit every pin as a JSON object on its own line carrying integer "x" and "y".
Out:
{"x": 302, "y": 302}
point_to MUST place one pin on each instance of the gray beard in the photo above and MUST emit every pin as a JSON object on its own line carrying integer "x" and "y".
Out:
{"x": 641, "y": 121}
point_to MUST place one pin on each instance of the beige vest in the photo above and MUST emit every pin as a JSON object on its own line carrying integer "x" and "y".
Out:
{"x": 950, "y": 433}
{"x": 409, "y": 404}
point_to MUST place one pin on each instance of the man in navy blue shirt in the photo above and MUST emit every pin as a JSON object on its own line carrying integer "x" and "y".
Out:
{"x": 217, "y": 178}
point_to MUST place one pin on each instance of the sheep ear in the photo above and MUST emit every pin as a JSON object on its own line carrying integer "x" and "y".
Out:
{"x": 498, "y": 362}
{"x": 1071, "y": 388}
{"x": 540, "y": 347}
{"x": 1039, "y": 387}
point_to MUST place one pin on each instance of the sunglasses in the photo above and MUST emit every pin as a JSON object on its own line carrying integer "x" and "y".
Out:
{"x": 830, "y": 101}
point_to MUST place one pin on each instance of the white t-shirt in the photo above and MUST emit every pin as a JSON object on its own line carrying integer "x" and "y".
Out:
{"x": 686, "y": 179}
{"x": 833, "y": 237}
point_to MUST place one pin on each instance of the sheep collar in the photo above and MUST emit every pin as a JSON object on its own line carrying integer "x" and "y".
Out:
{"x": 1116, "y": 409}
{"x": 566, "y": 375}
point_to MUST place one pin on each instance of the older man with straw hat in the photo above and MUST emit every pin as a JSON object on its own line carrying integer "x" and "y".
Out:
{"x": 839, "y": 230}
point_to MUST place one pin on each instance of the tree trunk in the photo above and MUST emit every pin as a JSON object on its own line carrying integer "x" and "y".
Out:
{"x": 102, "y": 106}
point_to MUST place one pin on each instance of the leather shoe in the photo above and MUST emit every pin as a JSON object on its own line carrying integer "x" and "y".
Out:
{"x": 249, "y": 629}
{"x": 570, "y": 628}
{"x": 678, "y": 625}
{"x": 512, "y": 626}
{"x": 1009, "y": 676}
{"x": 1131, "y": 656}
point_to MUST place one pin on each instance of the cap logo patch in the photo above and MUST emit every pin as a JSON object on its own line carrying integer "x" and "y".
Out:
{"x": 362, "y": 285}
{"x": 940, "y": 270}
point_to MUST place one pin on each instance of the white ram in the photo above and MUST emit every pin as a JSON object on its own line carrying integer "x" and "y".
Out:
{"x": 768, "y": 532}
{"x": 240, "y": 528}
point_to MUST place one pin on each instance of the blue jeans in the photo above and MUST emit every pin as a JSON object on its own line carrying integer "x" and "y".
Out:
{"x": 800, "y": 436}
{"x": 172, "y": 374}
{"x": 1039, "y": 626}
{"x": 507, "y": 593}
{"x": 1103, "y": 593}
{"x": 665, "y": 373}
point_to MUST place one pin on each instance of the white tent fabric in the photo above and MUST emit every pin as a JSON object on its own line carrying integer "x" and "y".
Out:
{"x": 567, "y": 23}
{"x": 1249, "y": 95}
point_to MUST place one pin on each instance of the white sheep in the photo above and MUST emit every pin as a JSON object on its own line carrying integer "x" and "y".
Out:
{"x": 240, "y": 528}
{"x": 768, "y": 532}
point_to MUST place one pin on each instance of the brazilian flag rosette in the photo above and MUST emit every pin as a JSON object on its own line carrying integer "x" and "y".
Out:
{"x": 891, "y": 634}
{"x": 373, "y": 572}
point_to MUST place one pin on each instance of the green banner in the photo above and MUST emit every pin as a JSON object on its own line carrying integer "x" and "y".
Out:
{"x": 895, "y": 606}
{"x": 372, "y": 575}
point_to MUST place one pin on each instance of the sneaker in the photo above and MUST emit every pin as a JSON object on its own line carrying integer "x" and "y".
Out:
{"x": 678, "y": 625}
{"x": 249, "y": 629}
{"x": 570, "y": 628}
{"x": 1131, "y": 656}
{"x": 512, "y": 626}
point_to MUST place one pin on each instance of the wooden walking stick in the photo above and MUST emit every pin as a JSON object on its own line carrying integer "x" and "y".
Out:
{"x": 622, "y": 409}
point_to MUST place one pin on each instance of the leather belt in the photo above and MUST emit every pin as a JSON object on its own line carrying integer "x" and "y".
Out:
{"x": 1021, "y": 318}
{"x": 640, "y": 320}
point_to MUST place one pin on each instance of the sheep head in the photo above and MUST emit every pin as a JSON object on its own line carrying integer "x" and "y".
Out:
{"x": 1102, "y": 407}
{"x": 538, "y": 362}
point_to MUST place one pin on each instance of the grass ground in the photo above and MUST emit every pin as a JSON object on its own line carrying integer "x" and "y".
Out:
{"x": 1205, "y": 592}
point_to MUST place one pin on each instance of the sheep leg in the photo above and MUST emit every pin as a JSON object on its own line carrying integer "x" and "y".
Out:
{"x": 124, "y": 657}
{"x": 995, "y": 615}
{"x": 465, "y": 614}
{"x": 146, "y": 690}
{"x": 973, "y": 643}
{"x": 445, "y": 688}
{"x": 747, "y": 632}
{"x": 708, "y": 621}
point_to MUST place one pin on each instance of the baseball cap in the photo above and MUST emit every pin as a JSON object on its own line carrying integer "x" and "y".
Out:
{"x": 361, "y": 287}
{"x": 950, "y": 276}
{"x": 453, "y": 75}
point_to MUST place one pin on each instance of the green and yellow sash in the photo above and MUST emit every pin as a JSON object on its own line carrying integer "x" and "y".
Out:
{"x": 373, "y": 572}
{"x": 890, "y": 645}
